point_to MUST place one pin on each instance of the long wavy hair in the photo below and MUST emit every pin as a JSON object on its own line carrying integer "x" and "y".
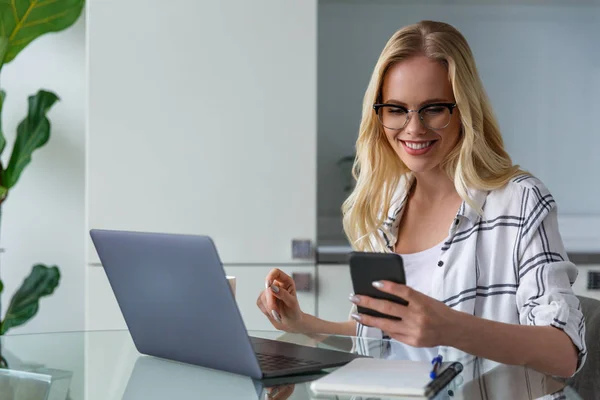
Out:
{"x": 478, "y": 161}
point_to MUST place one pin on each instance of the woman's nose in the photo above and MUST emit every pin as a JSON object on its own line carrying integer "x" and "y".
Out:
{"x": 415, "y": 126}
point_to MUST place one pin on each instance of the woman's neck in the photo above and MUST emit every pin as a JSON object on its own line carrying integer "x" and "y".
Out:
{"x": 433, "y": 187}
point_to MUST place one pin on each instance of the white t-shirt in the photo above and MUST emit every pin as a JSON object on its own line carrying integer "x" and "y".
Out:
{"x": 420, "y": 267}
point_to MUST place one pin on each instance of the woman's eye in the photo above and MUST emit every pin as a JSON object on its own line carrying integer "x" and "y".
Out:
{"x": 434, "y": 110}
{"x": 396, "y": 111}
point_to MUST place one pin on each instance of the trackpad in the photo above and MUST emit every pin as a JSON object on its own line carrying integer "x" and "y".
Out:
{"x": 267, "y": 346}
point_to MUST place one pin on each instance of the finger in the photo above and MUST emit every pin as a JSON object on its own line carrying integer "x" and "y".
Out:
{"x": 290, "y": 288}
{"x": 261, "y": 305}
{"x": 277, "y": 274}
{"x": 397, "y": 289}
{"x": 383, "y": 306}
{"x": 385, "y": 324}
{"x": 274, "y": 318}
{"x": 274, "y": 312}
{"x": 282, "y": 294}
{"x": 271, "y": 302}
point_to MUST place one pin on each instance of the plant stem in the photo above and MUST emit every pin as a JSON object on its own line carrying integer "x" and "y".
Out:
{"x": 3, "y": 362}
{"x": 0, "y": 262}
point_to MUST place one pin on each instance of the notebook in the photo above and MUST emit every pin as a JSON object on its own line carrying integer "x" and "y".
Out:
{"x": 393, "y": 378}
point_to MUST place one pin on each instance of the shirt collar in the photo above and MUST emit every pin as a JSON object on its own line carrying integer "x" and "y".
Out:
{"x": 478, "y": 198}
{"x": 394, "y": 215}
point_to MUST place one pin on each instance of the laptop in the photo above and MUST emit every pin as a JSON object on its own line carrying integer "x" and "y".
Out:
{"x": 177, "y": 304}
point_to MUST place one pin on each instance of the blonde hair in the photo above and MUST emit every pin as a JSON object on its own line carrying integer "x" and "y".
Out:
{"x": 478, "y": 161}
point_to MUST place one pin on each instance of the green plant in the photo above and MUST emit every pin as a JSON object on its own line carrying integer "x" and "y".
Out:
{"x": 21, "y": 22}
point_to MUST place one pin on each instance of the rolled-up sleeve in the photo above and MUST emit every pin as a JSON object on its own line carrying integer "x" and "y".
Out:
{"x": 545, "y": 295}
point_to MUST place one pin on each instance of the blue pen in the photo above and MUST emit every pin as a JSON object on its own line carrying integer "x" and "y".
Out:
{"x": 437, "y": 362}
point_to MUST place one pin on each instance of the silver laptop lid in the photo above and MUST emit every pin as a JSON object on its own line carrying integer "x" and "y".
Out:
{"x": 175, "y": 299}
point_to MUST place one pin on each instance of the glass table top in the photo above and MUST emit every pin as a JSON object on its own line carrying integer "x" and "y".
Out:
{"x": 106, "y": 365}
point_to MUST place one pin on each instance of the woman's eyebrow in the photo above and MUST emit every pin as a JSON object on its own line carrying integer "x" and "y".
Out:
{"x": 428, "y": 101}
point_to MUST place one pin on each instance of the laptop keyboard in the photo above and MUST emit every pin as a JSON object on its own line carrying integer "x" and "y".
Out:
{"x": 270, "y": 362}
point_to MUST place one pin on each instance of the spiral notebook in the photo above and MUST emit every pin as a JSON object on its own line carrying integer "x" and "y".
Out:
{"x": 393, "y": 378}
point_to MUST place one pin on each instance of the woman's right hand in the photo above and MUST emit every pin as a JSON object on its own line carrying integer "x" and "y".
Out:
{"x": 279, "y": 303}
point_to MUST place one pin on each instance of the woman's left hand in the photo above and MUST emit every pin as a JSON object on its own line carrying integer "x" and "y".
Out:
{"x": 425, "y": 321}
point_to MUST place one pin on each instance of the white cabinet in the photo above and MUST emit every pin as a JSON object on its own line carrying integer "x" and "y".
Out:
{"x": 202, "y": 120}
{"x": 250, "y": 281}
{"x": 102, "y": 310}
{"x": 335, "y": 285}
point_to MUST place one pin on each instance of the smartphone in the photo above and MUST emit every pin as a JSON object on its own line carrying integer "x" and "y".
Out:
{"x": 366, "y": 268}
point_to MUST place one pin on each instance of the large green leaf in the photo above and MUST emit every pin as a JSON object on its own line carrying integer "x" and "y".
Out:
{"x": 3, "y": 189}
{"x": 25, "y": 303}
{"x": 2, "y": 97}
{"x": 25, "y": 20}
{"x": 33, "y": 132}
{"x": 4, "y": 44}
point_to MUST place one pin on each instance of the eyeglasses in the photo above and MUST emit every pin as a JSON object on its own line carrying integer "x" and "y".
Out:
{"x": 433, "y": 116}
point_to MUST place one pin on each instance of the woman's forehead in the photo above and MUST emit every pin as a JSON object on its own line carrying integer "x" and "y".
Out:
{"x": 416, "y": 80}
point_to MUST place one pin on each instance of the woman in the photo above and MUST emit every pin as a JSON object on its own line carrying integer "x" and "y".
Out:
{"x": 486, "y": 269}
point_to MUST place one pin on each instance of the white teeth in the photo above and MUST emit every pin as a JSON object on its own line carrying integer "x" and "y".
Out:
{"x": 417, "y": 146}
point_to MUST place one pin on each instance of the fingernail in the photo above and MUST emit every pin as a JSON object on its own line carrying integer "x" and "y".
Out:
{"x": 354, "y": 299}
{"x": 276, "y": 315}
{"x": 267, "y": 284}
{"x": 378, "y": 284}
{"x": 275, "y": 288}
{"x": 356, "y": 317}
{"x": 274, "y": 393}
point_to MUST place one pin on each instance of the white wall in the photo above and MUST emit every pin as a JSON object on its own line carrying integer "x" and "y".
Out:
{"x": 204, "y": 126}
{"x": 540, "y": 69}
{"x": 43, "y": 217}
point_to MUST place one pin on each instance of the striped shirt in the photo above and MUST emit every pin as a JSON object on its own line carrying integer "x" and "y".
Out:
{"x": 507, "y": 265}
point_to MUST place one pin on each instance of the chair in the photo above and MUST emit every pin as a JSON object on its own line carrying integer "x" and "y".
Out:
{"x": 587, "y": 381}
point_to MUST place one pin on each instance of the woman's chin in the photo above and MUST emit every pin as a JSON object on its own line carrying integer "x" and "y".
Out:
{"x": 420, "y": 167}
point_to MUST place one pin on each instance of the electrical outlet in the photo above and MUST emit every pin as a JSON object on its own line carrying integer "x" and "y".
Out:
{"x": 302, "y": 249}
{"x": 593, "y": 280}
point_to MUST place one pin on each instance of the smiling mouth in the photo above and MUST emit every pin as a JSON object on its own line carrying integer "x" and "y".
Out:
{"x": 417, "y": 148}
{"x": 418, "y": 145}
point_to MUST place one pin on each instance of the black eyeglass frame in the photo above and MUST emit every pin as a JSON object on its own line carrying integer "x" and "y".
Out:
{"x": 378, "y": 106}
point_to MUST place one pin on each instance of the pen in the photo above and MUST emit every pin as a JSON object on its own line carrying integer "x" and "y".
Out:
{"x": 447, "y": 375}
{"x": 437, "y": 362}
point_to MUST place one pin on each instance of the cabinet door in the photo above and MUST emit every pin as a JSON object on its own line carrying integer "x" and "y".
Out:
{"x": 335, "y": 285}
{"x": 202, "y": 119}
{"x": 250, "y": 281}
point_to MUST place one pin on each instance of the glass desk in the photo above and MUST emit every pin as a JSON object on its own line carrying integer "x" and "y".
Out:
{"x": 106, "y": 365}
